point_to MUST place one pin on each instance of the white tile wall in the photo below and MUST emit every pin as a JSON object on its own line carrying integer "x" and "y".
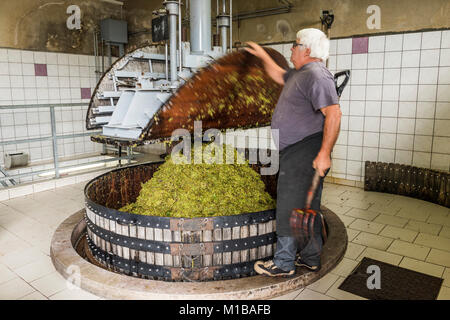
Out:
{"x": 66, "y": 75}
{"x": 397, "y": 104}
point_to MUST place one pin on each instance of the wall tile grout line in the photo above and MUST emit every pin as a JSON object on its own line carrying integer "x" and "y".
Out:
{"x": 381, "y": 98}
{"x": 436, "y": 101}
{"x": 398, "y": 101}
{"x": 416, "y": 102}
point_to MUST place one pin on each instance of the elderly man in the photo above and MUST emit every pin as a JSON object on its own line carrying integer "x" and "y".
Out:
{"x": 308, "y": 117}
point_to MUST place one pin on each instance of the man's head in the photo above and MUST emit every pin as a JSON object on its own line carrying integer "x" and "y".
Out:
{"x": 311, "y": 45}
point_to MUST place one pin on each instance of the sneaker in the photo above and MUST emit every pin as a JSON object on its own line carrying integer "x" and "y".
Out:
{"x": 270, "y": 269}
{"x": 300, "y": 263}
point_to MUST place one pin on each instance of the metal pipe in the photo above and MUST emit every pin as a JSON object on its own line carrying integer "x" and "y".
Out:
{"x": 173, "y": 47}
{"x": 223, "y": 38}
{"x": 67, "y": 136}
{"x": 179, "y": 36}
{"x": 55, "y": 141}
{"x": 231, "y": 25}
{"x": 167, "y": 61}
{"x": 263, "y": 13}
{"x": 103, "y": 58}
{"x": 109, "y": 54}
{"x": 43, "y": 105}
{"x": 200, "y": 25}
{"x": 172, "y": 8}
{"x": 95, "y": 54}
{"x": 20, "y": 175}
{"x": 217, "y": 14}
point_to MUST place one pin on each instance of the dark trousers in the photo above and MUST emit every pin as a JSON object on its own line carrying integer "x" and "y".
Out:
{"x": 294, "y": 180}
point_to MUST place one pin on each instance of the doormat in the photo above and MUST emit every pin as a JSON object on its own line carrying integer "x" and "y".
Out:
{"x": 376, "y": 280}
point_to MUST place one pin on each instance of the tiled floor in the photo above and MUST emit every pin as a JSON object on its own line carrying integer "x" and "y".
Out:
{"x": 402, "y": 231}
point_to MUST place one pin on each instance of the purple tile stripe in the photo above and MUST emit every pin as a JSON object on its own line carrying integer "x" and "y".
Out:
{"x": 40, "y": 70}
{"x": 85, "y": 93}
{"x": 360, "y": 45}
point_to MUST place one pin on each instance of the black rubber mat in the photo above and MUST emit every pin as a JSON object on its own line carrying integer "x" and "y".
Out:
{"x": 376, "y": 280}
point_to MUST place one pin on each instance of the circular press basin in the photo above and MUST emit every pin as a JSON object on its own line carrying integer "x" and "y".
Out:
{"x": 127, "y": 256}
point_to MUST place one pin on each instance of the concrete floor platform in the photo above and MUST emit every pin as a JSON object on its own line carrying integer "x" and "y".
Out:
{"x": 111, "y": 285}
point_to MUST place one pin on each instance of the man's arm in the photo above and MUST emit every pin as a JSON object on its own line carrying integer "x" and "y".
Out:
{"x": 271, "y": 67}
{"x": 330, "y": 134}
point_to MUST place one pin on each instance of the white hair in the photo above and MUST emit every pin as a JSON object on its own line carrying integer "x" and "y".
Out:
{"x": 315, "y": 40}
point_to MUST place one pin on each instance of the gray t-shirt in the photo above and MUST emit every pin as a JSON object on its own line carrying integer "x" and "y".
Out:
{"x": 297, "y": 113}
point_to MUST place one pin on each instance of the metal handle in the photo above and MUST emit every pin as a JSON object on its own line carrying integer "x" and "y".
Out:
{"x": 131, "y": 223}
{"x": 312, "y": 189}
{"x": 340, "y": 88}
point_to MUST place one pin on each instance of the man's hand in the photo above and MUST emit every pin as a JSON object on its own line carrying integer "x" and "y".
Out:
{"x": 255, "y": 49}
{"x": 272, "y": 69}
{"x": 322, "y": 163}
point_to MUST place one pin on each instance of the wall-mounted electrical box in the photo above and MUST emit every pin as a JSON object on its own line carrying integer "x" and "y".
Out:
{"x": 114, "y": 30}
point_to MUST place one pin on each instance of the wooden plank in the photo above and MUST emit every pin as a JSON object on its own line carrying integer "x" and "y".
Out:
{"x": 197, "y": 260}
{"x": 142, "y": 256}
{"x": 150, "y": 257}
{"x": 119, "y": 247}
{"x": 186, "y": 261}
{"x": 149, "y": 233}
{"x": 177, "y": 236}
{"x": 101, "y": 222}
{"x": 106, "y": 224}
{"x": 112, "y": 226}
{"x": 206, "y": 238}
{"x": 108, "y": 246}
{"x": 274, "y": 245}
{"x": 176, "y": 259}
{"x": 217, "y": 257}
{"x": 245, "y": 254}
{"x": 141, "y": 233}
{"x": 226, "y": 235}
{"x": 134, "y": 254}
{"x": 88, "y": 213}
{"x": 261, "y": 249}
{"x": 114, "y": 248}
{"x": 133, "y": 231}
{"x": 96, "y": 240}
{"x": 103, "y": 244}
{"x": 159, "y": 257}
{"x": 236, "y": 254}
{"x": 269, "y": 226}
{"x": 261, "y": 229}
{"x": 125, "y": 249}
{"x": 254, "y": 251}
{"x": 167, "y": 236}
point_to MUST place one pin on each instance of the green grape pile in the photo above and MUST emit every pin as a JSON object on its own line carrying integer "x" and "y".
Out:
{"x": 203, "y": 190}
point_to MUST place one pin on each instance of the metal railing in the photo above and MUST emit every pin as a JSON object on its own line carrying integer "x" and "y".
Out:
{"x": 54, "y": 137}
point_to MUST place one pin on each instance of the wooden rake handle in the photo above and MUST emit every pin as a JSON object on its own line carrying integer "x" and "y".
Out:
{"x": 312, "y": 189}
